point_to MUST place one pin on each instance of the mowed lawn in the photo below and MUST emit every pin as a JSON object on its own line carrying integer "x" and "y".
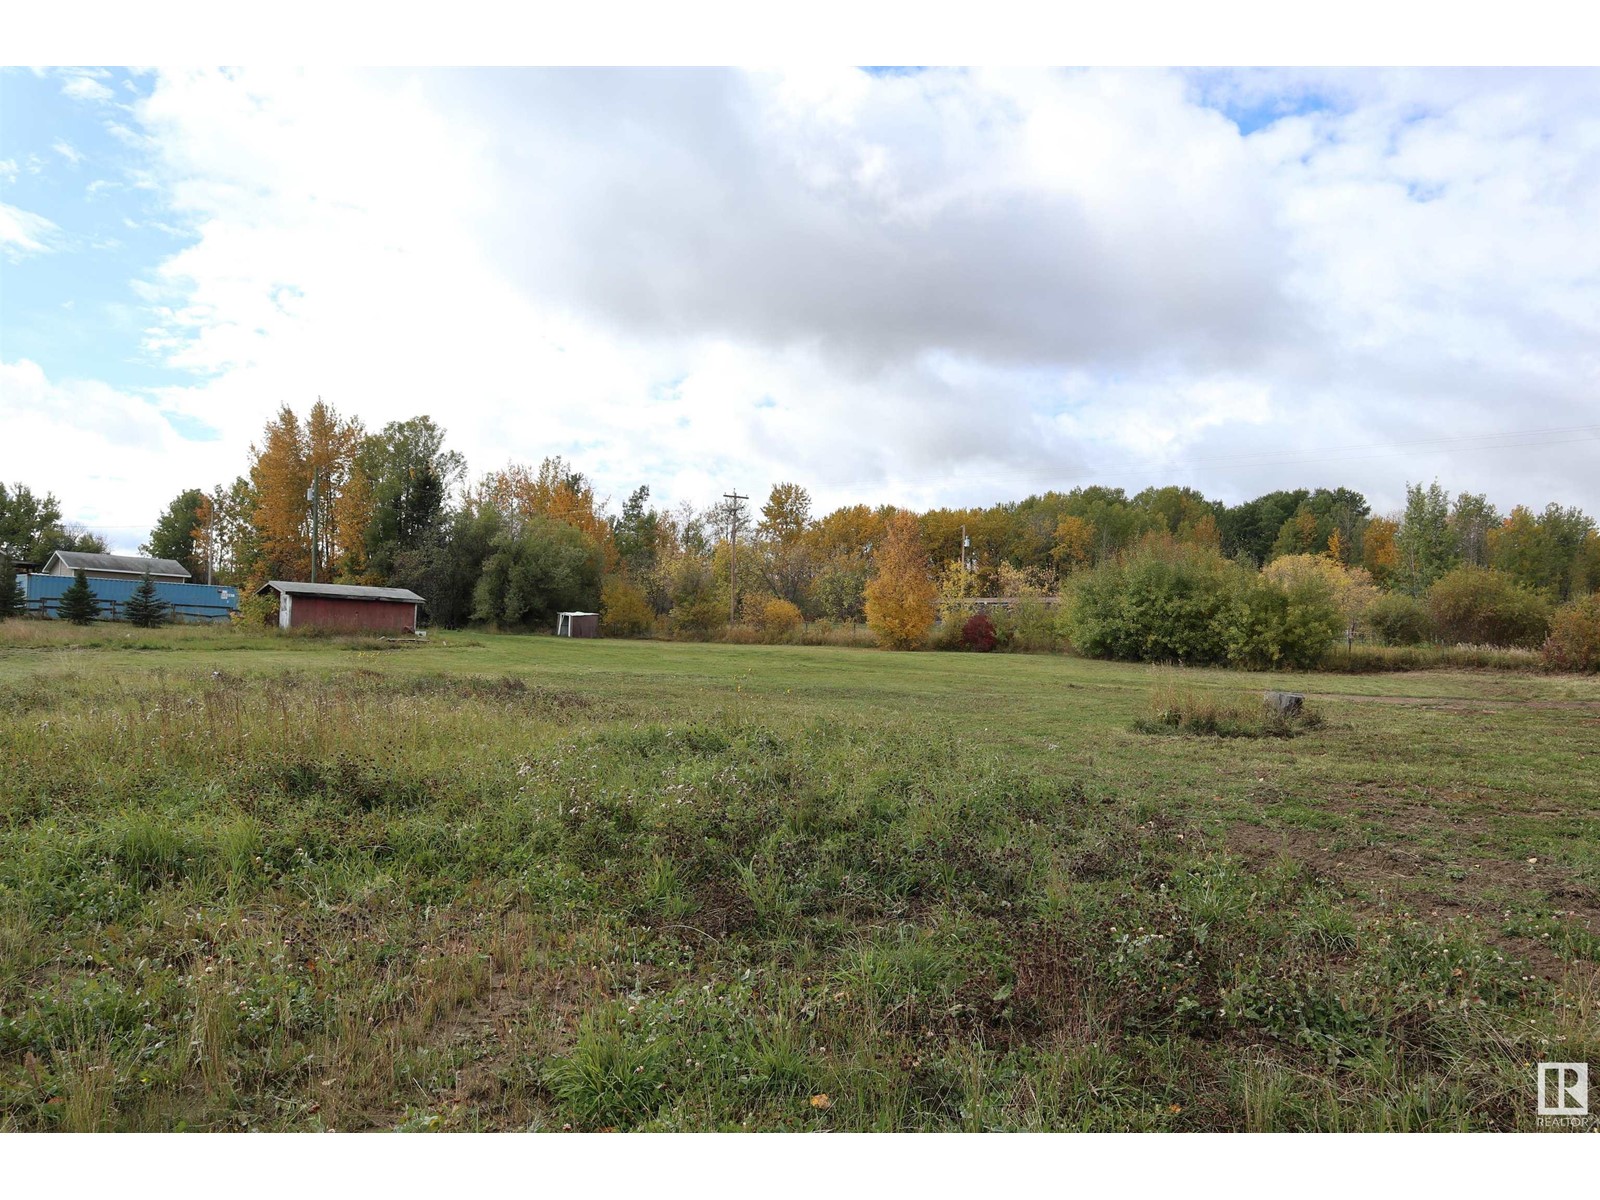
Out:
{"x": 493, "y": 882}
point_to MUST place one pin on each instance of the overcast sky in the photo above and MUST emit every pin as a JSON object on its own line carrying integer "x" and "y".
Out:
{"x": 919, "y": 287}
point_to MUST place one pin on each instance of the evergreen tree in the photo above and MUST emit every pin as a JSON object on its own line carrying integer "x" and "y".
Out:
{"x": 12, "y": 602}
{"x": 78, "y": 602}
{"x": 146, "y": 609}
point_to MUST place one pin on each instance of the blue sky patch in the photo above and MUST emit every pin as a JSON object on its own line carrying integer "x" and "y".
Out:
{"x": 1253, "y": 108}
{"x": 72, "y": 160}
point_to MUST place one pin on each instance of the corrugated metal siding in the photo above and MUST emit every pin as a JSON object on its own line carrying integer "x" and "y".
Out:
{"x": 190, "y": 601}
{"x": 329, "y": 613}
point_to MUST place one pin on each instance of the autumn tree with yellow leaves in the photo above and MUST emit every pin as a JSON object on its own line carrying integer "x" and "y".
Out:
{"x": 901, "y": 597}
{"x": 291, "y": 454}
{"x": 1379, "y": 553}
{"x": 1075, "y": 538}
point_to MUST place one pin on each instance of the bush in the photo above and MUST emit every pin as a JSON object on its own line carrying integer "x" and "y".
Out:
{"x": 255, "y": 611}
{"x": 1574, "y": 641}
{"x": 1027, "y": 624}
{"x": 1166, "y": 601}
{"x": 978, "y": 633}
{"x": 624, "y": 611}
{"x": 1160, "y": 602}
{"x": 1283, "y": 626}
{"x": 1483, "y": 607}
{"x": 699, "y": 617}
{"x": 1400, "y": 620}
{"x": 778, "y": 618}
{"x": 1352, "y": 588}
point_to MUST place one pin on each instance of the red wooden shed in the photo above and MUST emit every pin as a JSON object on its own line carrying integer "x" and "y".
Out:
{"x": 344, "y": 606}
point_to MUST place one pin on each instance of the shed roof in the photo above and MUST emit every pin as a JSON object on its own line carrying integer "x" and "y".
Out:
{"x": 341, "y": 591}
{"x": 78, "y": 560}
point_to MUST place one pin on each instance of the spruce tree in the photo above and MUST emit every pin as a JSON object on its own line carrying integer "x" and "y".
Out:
{"x": 145, "y": 609}
{"x": 78, "y": 602}
{"x": 12, "y": 601}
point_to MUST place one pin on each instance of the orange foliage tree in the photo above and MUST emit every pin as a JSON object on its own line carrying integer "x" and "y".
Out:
{"x": 556, "y": 491}
{"x": 279, "y": 477}
{"x": 901, "y": 597}
{"x": 282, "y": 467}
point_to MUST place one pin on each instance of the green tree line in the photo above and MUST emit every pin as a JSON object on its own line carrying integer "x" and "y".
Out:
{"x": 513, "y": 546}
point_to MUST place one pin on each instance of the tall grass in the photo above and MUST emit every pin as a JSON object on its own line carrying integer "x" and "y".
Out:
{"x": 1359, "y": 659}
{"x": 1211, "y": 712}
{"x": 378, "y": 900}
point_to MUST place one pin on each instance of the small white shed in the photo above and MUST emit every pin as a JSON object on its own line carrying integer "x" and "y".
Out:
{"x": 577, "y": 624}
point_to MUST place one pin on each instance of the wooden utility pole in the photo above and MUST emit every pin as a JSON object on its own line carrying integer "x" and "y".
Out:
{"x": 733, "y": 556}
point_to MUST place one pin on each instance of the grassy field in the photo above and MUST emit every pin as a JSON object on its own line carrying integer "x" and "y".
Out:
{"x": 254, "y": 881}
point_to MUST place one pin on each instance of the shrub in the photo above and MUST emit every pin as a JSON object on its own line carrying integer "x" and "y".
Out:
{"x": 1574, "y": 641}
{"x": 978, "y": 633}
{"x": 1160, "y": 602}
{"x": 1483, "y": 607}
{"x": 624, "y": 611}
{"x": 1166, "y": 601}
{"x": 1027, "y": 623}
{"x": 1400, "y": 620}
{"x": 1291, "y": 625}
{"x": 1352, "y": 588}
{"x": 777, "y": 618}
{"x": 255, "y": 611}
{"x": 699, "y": 616}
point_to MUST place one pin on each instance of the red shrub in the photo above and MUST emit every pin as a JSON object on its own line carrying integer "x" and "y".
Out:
{"x": 978, "y": 633}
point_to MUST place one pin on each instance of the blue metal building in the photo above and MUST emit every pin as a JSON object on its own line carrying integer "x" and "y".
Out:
{"x": 188, "y": 601}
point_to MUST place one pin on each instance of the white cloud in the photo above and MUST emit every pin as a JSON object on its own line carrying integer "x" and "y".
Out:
{"x": 67, "y": 151}
{"x": 8, "y": 170}
{"x": 108, "y": 456}
{"x": 953, "y": 286}
{"x": 23, "y": 232}
{"x": 85, "y": 87}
